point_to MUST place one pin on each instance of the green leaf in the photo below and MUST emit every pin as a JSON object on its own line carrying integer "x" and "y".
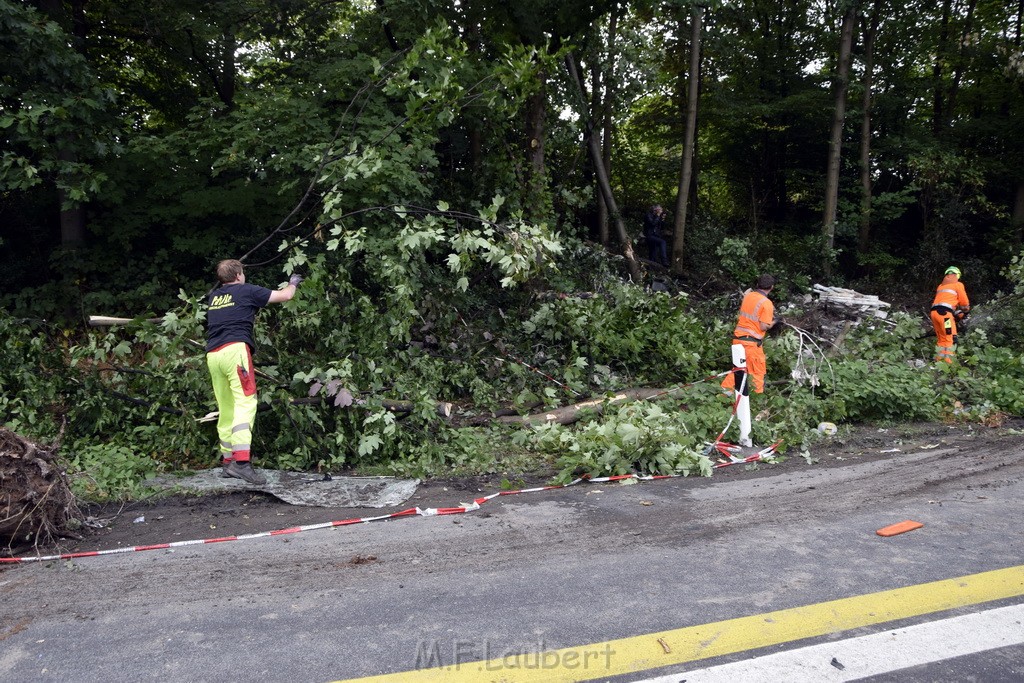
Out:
{"x": 368, "y": 443}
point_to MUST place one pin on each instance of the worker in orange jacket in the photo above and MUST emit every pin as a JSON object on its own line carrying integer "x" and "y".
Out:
{"x": 950, "y": 306}
{"x": 756, "y": 317}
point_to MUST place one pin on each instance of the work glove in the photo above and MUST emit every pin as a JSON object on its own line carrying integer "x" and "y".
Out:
{"x": 295, "y": 279}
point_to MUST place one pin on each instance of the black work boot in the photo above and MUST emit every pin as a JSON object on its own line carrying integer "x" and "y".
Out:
{"x": 244, "y": 471}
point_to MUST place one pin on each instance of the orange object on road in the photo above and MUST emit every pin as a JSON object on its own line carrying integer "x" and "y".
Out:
{"x": 901, "y": 528}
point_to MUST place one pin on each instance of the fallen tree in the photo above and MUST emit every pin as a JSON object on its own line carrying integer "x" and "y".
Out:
{"x": 36, "y": 502}
{"x": 573, "y": 413}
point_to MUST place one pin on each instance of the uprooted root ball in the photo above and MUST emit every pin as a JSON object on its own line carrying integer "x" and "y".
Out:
{"x": 36, "y": 502}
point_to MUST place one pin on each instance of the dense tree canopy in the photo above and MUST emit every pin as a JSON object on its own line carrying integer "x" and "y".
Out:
{"x": 179, "y": 132}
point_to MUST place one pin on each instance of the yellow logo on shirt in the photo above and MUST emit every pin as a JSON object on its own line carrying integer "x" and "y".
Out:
{"x": 222, "y": 301}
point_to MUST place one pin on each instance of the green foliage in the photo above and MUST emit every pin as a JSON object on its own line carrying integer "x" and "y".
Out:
{"x": 48, "y": 98}
{"x": 882, "y": 265}
{"x": 871, "y": 392}
{"x": 32, "y": 378}
{"x": 1001, "y": 318}
{"x": 104, "y": 472}
{"x": 989, "y": 381}
{"x": 734, "y": 257}
{"x": 643, "y": 335}
{"x": 636, "y": 437}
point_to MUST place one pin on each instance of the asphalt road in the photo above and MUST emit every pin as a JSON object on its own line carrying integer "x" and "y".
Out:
{"x": 572, "y": 568}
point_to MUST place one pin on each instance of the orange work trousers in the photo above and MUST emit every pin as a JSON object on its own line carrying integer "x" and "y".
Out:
{"x": 945, "y": 330}
{"x": 756, "y": 368}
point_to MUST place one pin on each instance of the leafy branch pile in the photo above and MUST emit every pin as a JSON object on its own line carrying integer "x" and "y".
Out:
{"x": 132, "y": 397}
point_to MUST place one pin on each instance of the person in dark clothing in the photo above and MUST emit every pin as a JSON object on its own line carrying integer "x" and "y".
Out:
{"x": 229, "y": 344}
{"x": 654, "y": 224}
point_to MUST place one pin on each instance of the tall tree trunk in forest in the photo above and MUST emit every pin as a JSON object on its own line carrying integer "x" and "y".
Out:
{"x": 606, "y": 161}
{"x": 536, "y": 110}
{"x": 686, "y": 173}
{"x": 864, "y": 233}
{"x": 943, "y": 97}
{"x": 836, "y": 139}
{"x": 79, "y": 25}
{"x": 388, "y": 32}
{"x": 605, "y": 112}
{"x": 961, "y": 62}
{"x": 72, "y": 215}
{"x": 1017, "y": 219}
{"x": 604, "y": 185}
{"x": 218, "y": 62}
{"x": 597, "y": 114}
{"x": 476, "y": 137}
{"x": 938, "y": 98}
{"x": 1019, "y": 23}
{"x": 228, "y": 68}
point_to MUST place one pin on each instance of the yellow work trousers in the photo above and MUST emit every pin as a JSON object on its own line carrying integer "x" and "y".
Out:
{"x": 234, "y": 385}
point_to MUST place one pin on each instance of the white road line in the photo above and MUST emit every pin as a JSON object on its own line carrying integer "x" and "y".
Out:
{"x": 870, "y": 655}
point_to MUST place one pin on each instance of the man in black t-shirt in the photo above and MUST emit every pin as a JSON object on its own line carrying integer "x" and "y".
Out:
{"x": 229, "y": 345}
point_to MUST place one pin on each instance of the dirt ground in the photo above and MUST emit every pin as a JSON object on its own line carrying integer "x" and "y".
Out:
{"x": 178, "y": 518}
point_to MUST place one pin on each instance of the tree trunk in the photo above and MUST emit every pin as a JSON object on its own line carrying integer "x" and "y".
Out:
{"x": 72, "y": 216}
{"x": 961, "y": 62}
{"x": 79, "y": 26}
{"x": 606, "y": 129}
{"x": 597, "y": 111}
{"x": 1019, "y": 23}
{"x": 864, "y": 233}
{"x": 1018, "y": 213}
{"x": 836, "y": 139}
{"x": 606, "y": 161}
{"x": 938, "y": 99}
{"x": 602, "y": 179}
{"x": 536, "y": 108}
{"x": 569, "y": 414}
{"x": 686, "y": 173}
{"x": 228, "y": 69}
{"x": 1017, "y": 219}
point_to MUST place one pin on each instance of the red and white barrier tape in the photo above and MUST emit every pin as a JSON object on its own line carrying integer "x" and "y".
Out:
{"x": 410, "y": 512}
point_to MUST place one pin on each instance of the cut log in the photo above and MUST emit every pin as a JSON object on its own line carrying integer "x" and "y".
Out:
{"x": 442, "y": 408}
{"x": 107, "y": 321}
{"x": 569, "y": 414}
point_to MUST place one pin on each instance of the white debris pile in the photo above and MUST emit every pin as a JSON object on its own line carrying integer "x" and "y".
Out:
{"x": 867, "y": 304}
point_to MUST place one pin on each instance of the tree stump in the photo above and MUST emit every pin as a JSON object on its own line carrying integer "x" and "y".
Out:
{"x": 36, "y": 502}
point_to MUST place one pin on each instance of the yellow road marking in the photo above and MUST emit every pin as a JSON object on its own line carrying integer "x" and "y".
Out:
{"x": 666, "y": 648}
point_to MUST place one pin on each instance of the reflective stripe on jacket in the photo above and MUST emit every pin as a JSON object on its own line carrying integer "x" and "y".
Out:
{"x": 951, "y": 294}
{"x": 755, "y": 309}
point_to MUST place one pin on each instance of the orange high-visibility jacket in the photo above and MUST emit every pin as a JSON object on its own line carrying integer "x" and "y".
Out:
{"x": 951, "y": 294}
{"x": 756, "y": 314}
